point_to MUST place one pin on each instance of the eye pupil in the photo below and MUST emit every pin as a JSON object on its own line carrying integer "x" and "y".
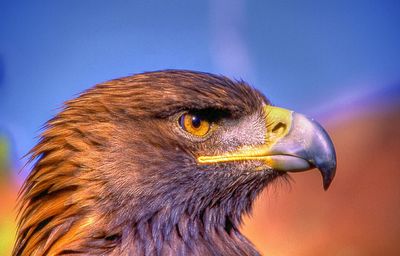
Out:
{"x": 196, "y": 121}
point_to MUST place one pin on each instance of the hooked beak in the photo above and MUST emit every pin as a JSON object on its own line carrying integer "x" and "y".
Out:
{"x": 293, "y": 143}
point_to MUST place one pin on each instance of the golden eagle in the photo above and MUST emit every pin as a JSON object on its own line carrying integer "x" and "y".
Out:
{"x": 161, "y": 163}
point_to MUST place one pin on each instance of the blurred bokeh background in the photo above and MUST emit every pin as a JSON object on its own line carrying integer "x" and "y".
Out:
{"x": 337, "y": 61}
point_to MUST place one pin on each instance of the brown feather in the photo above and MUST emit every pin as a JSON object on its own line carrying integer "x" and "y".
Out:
{"x": 80, "y": 195}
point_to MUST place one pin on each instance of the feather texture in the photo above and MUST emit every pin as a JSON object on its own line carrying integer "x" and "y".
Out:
{"x": 111, "y": 176}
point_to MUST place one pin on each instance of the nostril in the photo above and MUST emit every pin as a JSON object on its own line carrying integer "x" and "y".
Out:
{"x": 279, "y": 127}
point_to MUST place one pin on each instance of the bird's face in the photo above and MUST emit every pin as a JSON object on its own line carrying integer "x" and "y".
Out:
{"x": 206, "y": 139}
{"x": 270, "y": 139}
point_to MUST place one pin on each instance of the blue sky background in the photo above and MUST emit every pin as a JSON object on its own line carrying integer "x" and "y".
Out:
{"x": 305, "y": 55}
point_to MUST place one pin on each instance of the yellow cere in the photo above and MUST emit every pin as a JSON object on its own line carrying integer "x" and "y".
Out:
{"x": 278, "y": 122}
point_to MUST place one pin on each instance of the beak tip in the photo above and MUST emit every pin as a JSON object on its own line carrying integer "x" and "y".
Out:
{"x": 327, "y": 183}
{"x": 327, "y": 176}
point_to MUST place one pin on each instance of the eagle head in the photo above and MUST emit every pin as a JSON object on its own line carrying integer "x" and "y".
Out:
{"x": 161, "y": 163}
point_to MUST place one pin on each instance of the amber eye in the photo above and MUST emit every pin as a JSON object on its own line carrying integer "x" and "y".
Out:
{"x": 194, "y": 124}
